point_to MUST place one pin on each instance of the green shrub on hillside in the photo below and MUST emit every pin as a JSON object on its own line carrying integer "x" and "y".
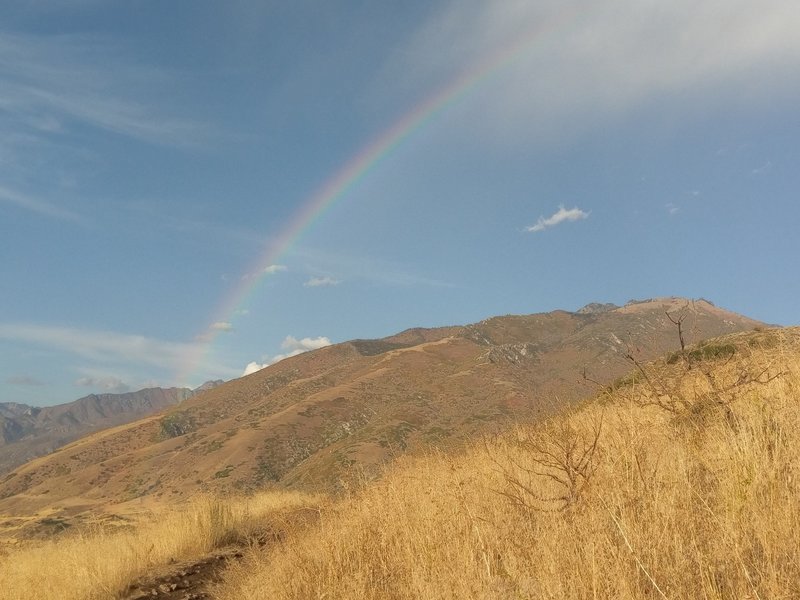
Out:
{"x": 176, "y": 424}
{"x": 703, "y": 352}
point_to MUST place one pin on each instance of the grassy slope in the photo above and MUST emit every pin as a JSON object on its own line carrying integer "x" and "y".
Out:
{"x": 100, "y": 564}
{"x": 701, "y": 501}
{"x": 696, "y": 498}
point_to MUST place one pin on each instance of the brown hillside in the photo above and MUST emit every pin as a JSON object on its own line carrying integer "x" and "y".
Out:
{"x": 30, "y": 431}
{"x": 681, "y": 483}
{"x": 321, "y": 419}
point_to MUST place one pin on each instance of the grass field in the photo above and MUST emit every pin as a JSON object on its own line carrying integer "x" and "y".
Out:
{"x": 683, "y": 483}
{"x": 99, "y": 564}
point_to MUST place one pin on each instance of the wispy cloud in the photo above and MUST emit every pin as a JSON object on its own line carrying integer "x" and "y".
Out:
{"x": 322, "y": 282}
{"x": 273, "y": 269}
{"x": 51, "y": 81}
{"x": 114, "y": 379}
{"x": 25, "y": 380}
{"x": 212, "y": 331}
{"x": 560, "y": 216}
{"x": 112, "y": 385}
{"x": 108, "y": 347}
{"x": 672, "y": 208}
{"x": 266, "y": 271}
{"x": 763, "y": 169}
{"x": 38, "y": 206}
{"x": 363, "y": 268}
{"x": 293, "y": 347}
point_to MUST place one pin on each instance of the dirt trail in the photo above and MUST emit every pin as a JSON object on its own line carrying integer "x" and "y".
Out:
{"x": 194, "y": 579}
{"x": 190, "y": 580}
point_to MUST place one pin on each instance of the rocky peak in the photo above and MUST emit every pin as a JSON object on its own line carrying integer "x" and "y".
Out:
{"x": 594, "y": 308}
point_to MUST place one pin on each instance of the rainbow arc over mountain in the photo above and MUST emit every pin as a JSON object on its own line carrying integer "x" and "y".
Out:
{"x": 360, "y": 165}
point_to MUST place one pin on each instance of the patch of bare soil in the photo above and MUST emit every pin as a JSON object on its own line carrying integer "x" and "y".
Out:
{"x": 185, "y": 581}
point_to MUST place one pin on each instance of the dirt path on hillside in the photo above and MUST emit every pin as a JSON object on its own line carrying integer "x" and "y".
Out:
{"x": 190, "y": 580}
{"x": 194, "y": 579}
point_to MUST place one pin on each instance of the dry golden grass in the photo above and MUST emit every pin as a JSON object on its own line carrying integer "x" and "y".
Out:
{"x": 100, "y": 564}
{"x": 702, "y": 501}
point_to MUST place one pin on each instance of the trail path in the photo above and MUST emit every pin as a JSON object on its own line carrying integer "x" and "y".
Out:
{"x": 184, "y": 581}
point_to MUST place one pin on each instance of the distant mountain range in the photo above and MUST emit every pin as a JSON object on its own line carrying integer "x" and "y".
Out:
{"x": 29, "y": 431}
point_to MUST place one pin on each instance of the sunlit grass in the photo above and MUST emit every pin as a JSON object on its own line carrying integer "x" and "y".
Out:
{"x": 101, "y": 564}
{"x": 682, "y": 483}
{"x": 703, "y": 503}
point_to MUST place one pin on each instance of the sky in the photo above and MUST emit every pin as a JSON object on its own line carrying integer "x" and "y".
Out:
{"x": 192, "y": 190}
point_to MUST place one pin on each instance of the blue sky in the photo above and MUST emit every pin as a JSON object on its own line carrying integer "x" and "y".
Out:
{"x": 152, "y": 152}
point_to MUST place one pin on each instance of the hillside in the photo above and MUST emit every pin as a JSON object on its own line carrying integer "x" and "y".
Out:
{"x": 27, "y": 432}
{"x": 678, "y": 481}
{"x": 335, "y": 416}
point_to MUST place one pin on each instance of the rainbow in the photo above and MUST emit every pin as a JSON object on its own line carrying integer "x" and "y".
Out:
{"x": 359, "y": 166}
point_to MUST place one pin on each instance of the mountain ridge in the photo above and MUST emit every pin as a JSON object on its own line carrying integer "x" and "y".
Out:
{"x": 326, "y": 418}
{"x": 27, "y": 432}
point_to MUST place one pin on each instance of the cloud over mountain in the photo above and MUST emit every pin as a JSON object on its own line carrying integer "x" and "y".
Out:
{"x": 108, "y": 384}
{"x": 293, "y": 347}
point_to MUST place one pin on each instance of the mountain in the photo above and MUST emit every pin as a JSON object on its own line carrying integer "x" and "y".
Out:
{"x": 208, "y": 385}
{"x": 334, "y": 416}
{"x": 597, "y": 307}
{"x": 28, "y": 431}
{"x": 622, "y": 498}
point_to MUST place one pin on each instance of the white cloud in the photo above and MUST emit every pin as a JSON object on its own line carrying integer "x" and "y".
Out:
{"x": 268, "y": 270}
{"x": 112, "y": 385}
{"x": 561, "y": 215}
{"x": 765, "y": 168}
{"x": 252, "y": 367}
{"x": 292, "y": 343}
{"x": 321, "y": 282}
{"x": 221, "y": 326}
{"x": 272, "y": 269}
{"x": 293, "y": 346}
{"x": 672, "y": 208}
{"x": 563, "y": 65}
